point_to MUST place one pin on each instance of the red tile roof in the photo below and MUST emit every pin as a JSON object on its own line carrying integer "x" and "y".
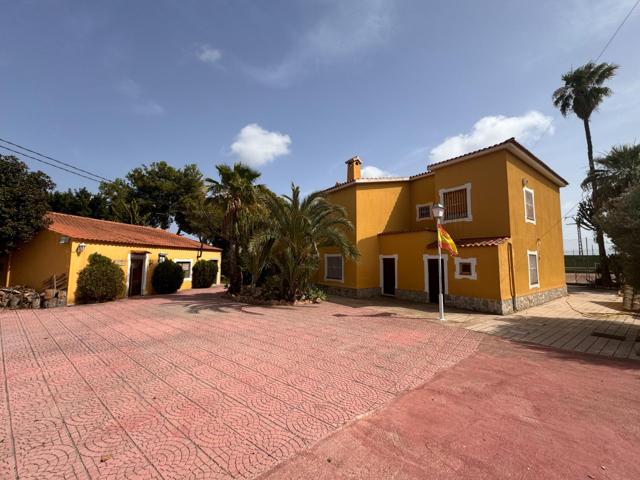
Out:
{"x": 103, "y": 231}
{"x": 475, "y": 242}
{"x": 411, "y": 230}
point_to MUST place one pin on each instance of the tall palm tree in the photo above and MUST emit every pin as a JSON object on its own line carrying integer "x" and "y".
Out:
{"x": 582, "y": 93}
{"x": 255, "y": 248}
{"x": 615, "y": 172}
{"x": 300, "y": 227}
{"x": 235, "y": 191}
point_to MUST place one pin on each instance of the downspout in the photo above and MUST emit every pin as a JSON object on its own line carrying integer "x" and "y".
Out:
{"x": 512, "y": 280}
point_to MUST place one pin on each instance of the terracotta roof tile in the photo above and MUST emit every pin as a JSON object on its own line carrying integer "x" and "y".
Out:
{"x": 91, "y": 229}
{"x": 411, "y": 230}
{"x": 475, "y": 242}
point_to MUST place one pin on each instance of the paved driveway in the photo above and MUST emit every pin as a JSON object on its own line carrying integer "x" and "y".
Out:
{"x": 194, "y": 386}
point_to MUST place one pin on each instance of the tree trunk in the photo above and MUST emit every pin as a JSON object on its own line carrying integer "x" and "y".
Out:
{"x": 234, "y": 280}
{"x": 602, "y": 252}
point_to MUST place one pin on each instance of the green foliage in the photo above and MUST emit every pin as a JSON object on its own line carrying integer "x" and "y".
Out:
{"x": 232, "y": 193}
{"x": 299, "y": 227}
{"x": 314, "y": 294}
{"x": 100, "y": 281}
{"x": 23, "y": 203}
{"x": 159, "y": 192}
{"x": 80, "y": 202}
{"x": 204, "y": 273}
{"x": 584, "y": 89}
{"x": 255, "y": 248}
{"x": 167, "y": 277}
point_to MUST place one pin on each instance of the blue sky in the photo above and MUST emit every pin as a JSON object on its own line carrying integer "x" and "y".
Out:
{"x": 296, "y": 88}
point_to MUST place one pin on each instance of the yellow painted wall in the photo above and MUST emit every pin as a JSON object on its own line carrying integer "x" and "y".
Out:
{"x": 120, "y": 254}
{"x": 409, "y": 247}
{"x": 545, "y": 235}
{"x": 489, "y": 195}
{"x": 422, "y": 191}
{"x": 381, "y": 207}
{"x": 36, "y": 261}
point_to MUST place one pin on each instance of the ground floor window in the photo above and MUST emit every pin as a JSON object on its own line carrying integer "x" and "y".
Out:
{"x": 334, "y": 267}
{"x": 466, "y": 268}
{"x": 532, "y": 258}
{"x": 186, "y": 268}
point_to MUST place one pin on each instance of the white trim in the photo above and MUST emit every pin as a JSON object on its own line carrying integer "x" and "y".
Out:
{"x": 533, "y": 285}
{"x": 533, "y": 202}
{"x": 422, "y": 219}
{"x": 190, "y": 266}
{"x": 326, "y": 256}
{"x": 425, "y": 261}
{"x": 458, "y": 275}
{"x": 469, "y": 216}
{"x": 395, "y": 264}
{"x": 126, "y": 286}
{"x": 145, "y": 269}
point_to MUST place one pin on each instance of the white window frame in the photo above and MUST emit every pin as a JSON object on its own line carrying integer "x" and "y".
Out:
{"x": 526, "y": 190}
{"x": 422, "y": 219}
{"x": 381, "y": 273}
{"x": 326, "y": 263}
{"x": 467, "y": 186}
{"x": 474, "y": 273}
{"x": 177, "y": 260}
{"x": 445, "y": 266}
{"x": 533, "y": 285}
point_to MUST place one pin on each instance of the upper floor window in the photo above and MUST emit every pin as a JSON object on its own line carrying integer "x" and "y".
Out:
{"x": 423, "y": 211}
{"x": 457, "y": 203}
{"x": 529, "y": 206}
{"x": 333, "y": 267}
{"x": 186, "y": 268}
{"x": 534, "y": 279}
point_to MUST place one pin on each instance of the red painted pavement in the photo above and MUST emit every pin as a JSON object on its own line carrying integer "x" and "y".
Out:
{"x": 507, "y": 411}
{"x": 194, "y": 386}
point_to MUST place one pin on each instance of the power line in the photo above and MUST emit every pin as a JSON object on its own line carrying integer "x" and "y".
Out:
{"x": 617, "y": 30}
{"x": 51, "y": 164}
{"x": 54, "y": 160}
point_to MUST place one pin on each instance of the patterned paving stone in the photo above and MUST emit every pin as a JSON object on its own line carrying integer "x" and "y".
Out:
{"x": 196, "y": 386}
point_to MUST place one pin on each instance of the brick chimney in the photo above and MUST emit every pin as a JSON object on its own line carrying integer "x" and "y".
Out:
{"x": 353, "y": 168}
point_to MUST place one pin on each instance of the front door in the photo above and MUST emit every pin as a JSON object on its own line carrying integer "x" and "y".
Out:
{"x": 135, "y": 276}
{"x": 389, "y": 276}
{"x": 432, "y": 270}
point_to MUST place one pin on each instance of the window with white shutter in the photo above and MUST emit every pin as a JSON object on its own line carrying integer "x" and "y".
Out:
{"x": 333, "y": 267}
{"x": 529, "y": 206}
{"x": 534, "y": 279}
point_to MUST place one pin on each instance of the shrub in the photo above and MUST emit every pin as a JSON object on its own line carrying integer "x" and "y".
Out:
{"x": 167, "y": 277}
{"x": 204, "y": 273}
{"x": 101, "y": 280}
{"x": 314, "y": 294}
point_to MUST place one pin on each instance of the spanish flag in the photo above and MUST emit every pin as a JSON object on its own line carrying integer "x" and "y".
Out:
{"x": 445, "y": 241}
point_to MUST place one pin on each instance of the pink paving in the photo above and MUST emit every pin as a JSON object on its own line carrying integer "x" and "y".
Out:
{"x": 195, "y": 386}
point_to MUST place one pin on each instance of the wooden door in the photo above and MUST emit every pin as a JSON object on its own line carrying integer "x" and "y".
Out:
{"x": 135, "y": 276}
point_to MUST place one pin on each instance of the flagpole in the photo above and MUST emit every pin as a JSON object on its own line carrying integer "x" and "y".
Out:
{"x": 440, "y": 295}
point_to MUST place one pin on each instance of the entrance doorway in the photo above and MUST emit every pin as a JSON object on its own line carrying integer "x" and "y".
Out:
{"x": 136, "y": 275}
{"x": 389, "y": 275}
{"x": 432, "y": 276}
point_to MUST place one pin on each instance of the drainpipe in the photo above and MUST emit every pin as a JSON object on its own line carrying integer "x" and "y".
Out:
{"x": 512, "y": 280}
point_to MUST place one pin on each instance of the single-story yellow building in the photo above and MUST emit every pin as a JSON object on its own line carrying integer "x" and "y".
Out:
{"x": 64, "y": 246}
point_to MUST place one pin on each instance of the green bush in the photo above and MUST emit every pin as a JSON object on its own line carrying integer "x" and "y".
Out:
{"x": 314, "y": 294}
{"x": 167, "y": 277}
{"x": 204, "y": 273}
{"x": 101, "y": 280}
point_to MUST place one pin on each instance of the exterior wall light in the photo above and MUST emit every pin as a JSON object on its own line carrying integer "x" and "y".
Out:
{"x": 80, "y": 248}
{"x": 162, "y": 257}
{"x": 437, "y": 211}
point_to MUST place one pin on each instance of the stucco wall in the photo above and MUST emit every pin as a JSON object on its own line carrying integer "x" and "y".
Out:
{"x": 120, "y": 254}
{"x": 36, "y": 261}
{"x": 545, "y": 235}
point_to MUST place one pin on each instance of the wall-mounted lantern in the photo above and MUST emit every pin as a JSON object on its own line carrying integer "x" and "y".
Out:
{"x": 80, "y": 248}
{"x": 162, "y": 257}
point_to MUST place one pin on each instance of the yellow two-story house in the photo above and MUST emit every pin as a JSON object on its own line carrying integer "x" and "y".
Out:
{"x": 502, "y": 208}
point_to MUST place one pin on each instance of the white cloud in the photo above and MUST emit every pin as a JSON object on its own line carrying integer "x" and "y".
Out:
{"x": 148, "y": 108}
{"x": 208, "y": 54}
{"x": 129, "y": 88}
{"x": 256, "y": 146}
{"x": 494, "y": 129}
{"x": 345, "y": 29}
{"x": 374, "y": 172}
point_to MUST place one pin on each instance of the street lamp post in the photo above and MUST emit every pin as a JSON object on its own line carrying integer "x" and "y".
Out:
{"x": 438, "y": 213}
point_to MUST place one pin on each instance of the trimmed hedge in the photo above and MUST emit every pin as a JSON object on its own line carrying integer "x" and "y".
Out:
{"x": 167, "y": 277}
{"x": 100, "y": 281}
{"x": 204, "y": 273}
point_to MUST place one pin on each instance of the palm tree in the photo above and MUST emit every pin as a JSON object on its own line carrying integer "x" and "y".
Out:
{"x": 255, "y": 251}
{"x": 235, "y": 191}
{"x": 582, "y": 93}
{"x": 615, "y": 172}
{"x": 300, "y": 227}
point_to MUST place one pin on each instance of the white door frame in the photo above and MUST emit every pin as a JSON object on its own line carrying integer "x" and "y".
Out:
{"x": 425, "y": 261}
{"x": 395, "y": 264}
{"x": 145, "y": 268}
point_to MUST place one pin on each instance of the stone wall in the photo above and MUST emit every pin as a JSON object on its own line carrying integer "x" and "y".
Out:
{"x": 538, "y": 298}
{"x": 412, "y": 295}
{"x": 352, "y": 292}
